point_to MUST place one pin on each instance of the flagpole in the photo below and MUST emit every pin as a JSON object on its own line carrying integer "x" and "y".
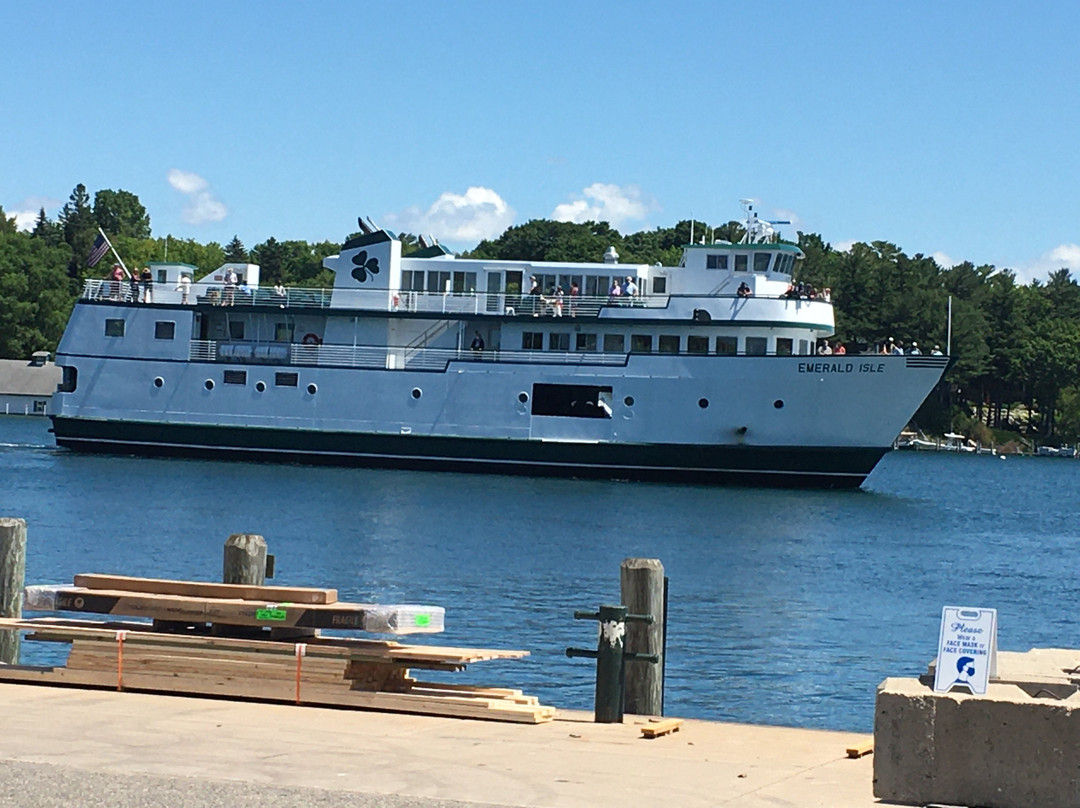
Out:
{"x": 114, "y": 252}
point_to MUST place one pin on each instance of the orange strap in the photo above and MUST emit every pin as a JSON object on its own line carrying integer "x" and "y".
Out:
{"x": 120, "y": 637}
{"x": 301, "y": 650}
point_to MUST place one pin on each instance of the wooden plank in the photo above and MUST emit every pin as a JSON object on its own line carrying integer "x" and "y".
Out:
{"x": 231, "y": 611}
{"x": 656, "y": 729}
{"x": 316, "y": 694}
{"x": 433, "y": 657}
{"x": 860, "y": 750}
{"x": 165, "y": 586}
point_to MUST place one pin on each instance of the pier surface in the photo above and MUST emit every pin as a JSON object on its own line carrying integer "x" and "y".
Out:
{"x": 131, "y": 750}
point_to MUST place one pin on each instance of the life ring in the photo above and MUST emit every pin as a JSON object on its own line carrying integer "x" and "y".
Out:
{"x": 311, "y": 339}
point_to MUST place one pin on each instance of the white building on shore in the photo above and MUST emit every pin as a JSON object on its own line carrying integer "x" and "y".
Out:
{"x": 27, "y": 386}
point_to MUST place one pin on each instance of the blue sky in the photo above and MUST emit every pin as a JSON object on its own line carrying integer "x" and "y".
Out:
{"x": 949, "y": 129}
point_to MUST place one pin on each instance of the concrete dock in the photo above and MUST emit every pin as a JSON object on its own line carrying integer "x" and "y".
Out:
{"x": 130, "y": 750}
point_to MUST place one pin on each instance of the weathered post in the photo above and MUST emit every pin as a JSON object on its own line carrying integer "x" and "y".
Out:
{"x": 12, "y": 580}
{"x": 642, "y": 587}
{"x": 245, "y": 559}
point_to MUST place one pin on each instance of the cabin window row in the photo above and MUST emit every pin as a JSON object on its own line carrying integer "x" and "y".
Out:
{"x": 742, "y": 263}
{"x": 665, "y": 344}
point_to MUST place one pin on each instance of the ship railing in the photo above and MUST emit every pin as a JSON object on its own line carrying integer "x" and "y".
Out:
{"x": 380, "y": 357}
{"x": 451, "y": 303}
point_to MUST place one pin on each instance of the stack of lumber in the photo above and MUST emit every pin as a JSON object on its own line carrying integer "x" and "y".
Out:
{"x": 183, "y": 651}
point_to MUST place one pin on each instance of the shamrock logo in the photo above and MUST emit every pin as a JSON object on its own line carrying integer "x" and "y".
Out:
{"x": 364, "y": 266}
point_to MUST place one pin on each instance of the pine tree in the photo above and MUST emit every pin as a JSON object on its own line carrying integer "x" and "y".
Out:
{"x": 79, "y": 226}
{"x": 48, "y": 232}
{"x": 235, "y": 253}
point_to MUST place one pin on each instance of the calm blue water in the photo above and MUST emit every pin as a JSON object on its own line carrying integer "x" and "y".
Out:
{"x": 786, "y": 607}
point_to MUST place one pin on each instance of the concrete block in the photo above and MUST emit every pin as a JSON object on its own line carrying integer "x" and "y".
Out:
{"x": 1007, "y": 749}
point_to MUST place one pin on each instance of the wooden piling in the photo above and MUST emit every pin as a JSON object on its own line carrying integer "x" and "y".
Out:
{"x": 245, "y": 559}
{"x": 12, "y": 580}
{"x": 642, "y": 587}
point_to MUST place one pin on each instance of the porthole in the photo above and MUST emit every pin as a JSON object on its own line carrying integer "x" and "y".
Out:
{"x": 629, "y": 401}
{"x": 417, "y": 392}
{"x": 779, "y": 404}
{"x": 523, "y": 397}
{"x": 209, "y": 384}
{"x": 312, "y": 389}
{"x": 703, "y": 403}
{"x": 260, "y": 386}
{"x": 159, "y": 382}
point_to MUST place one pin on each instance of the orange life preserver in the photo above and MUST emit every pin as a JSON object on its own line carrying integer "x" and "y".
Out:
{"x": 311, "y": 339}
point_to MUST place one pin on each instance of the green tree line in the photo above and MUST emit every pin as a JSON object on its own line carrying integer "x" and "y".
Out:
{"x": 1016, "y": 347}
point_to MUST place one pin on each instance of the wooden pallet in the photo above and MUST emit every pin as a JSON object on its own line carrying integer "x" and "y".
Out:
{"x": 657, "y": 729}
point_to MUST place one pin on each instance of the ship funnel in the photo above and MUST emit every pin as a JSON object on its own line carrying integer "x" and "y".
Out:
{"x": 364, "y": 226}
{"x": 423, "y": 242}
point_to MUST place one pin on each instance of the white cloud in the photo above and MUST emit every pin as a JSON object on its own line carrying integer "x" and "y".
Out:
{"x": 845, "y": 245}
{"x": 944, "y": 261}
{"x": 26, "y": 212}
{"x": 202, "y": 206}
{"x": 477, "y": 214}
{"x": 607, "y": 203}
{"x": 186, "y": 182}
{"x": 1064, "y": 256}
{"x": 24, "y": 219}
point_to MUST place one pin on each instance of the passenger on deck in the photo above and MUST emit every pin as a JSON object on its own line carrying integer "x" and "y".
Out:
{"x": 280, "y": 294}
{"x": 744, "y": 290}
{"x": 477, "y": 345}
{"x": 230, "y": 287}
{"x": 133, "y": 287}
{"x": 184, "y": 288}
{"x": 936, "y": 351}
{"x": 117, "y": 282}
{"x": 147, "y": 279}
{"x": 558, "y": 301}
{"x": 575, "y": 293}
{"x": 614, "y": 293}
{"x": 914, "y": 350}
{"x": 534, "y": 296}
{"x": 631, "y": 289}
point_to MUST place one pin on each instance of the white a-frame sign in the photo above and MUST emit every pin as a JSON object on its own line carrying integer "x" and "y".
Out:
{"x": 967, "y": 649}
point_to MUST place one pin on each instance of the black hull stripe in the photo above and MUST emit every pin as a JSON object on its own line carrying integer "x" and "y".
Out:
{"x": 830, "y": 467}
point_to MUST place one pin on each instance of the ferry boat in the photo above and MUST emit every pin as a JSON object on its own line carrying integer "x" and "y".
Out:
{"x": 706, "y": 372}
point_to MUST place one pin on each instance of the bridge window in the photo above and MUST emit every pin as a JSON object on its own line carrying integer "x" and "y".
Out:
{"x": 716, "y": 262}
{"x": 727, "y": 346}
{"x": 614, "y": 343}
{"x": 697, "y": 345}
{"x": 114, "y": 328}
{"x": 571, "y": 400}
{"x": 741, "y": 263}
{"x": 784, "y": 346}
{"x": 532, "y": 341}
{"x": 558, "y": 341}
{"x": 756, "y": 346}
{"x": 761, "y": 262}
{"x": 659, "y": 286}
{"x": 669, "y": 343}
{"x": 641, "y": 343}
{"x": 586, "y": 342}
{"x": 164, "y": 330}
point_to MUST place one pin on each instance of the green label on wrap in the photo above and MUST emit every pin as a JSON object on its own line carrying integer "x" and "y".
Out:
{"x": 272, "y": 615}
{"x": 423, "y": 619}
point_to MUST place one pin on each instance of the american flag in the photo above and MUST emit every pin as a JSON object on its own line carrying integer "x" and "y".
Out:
{"x": 101, "y": 246}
